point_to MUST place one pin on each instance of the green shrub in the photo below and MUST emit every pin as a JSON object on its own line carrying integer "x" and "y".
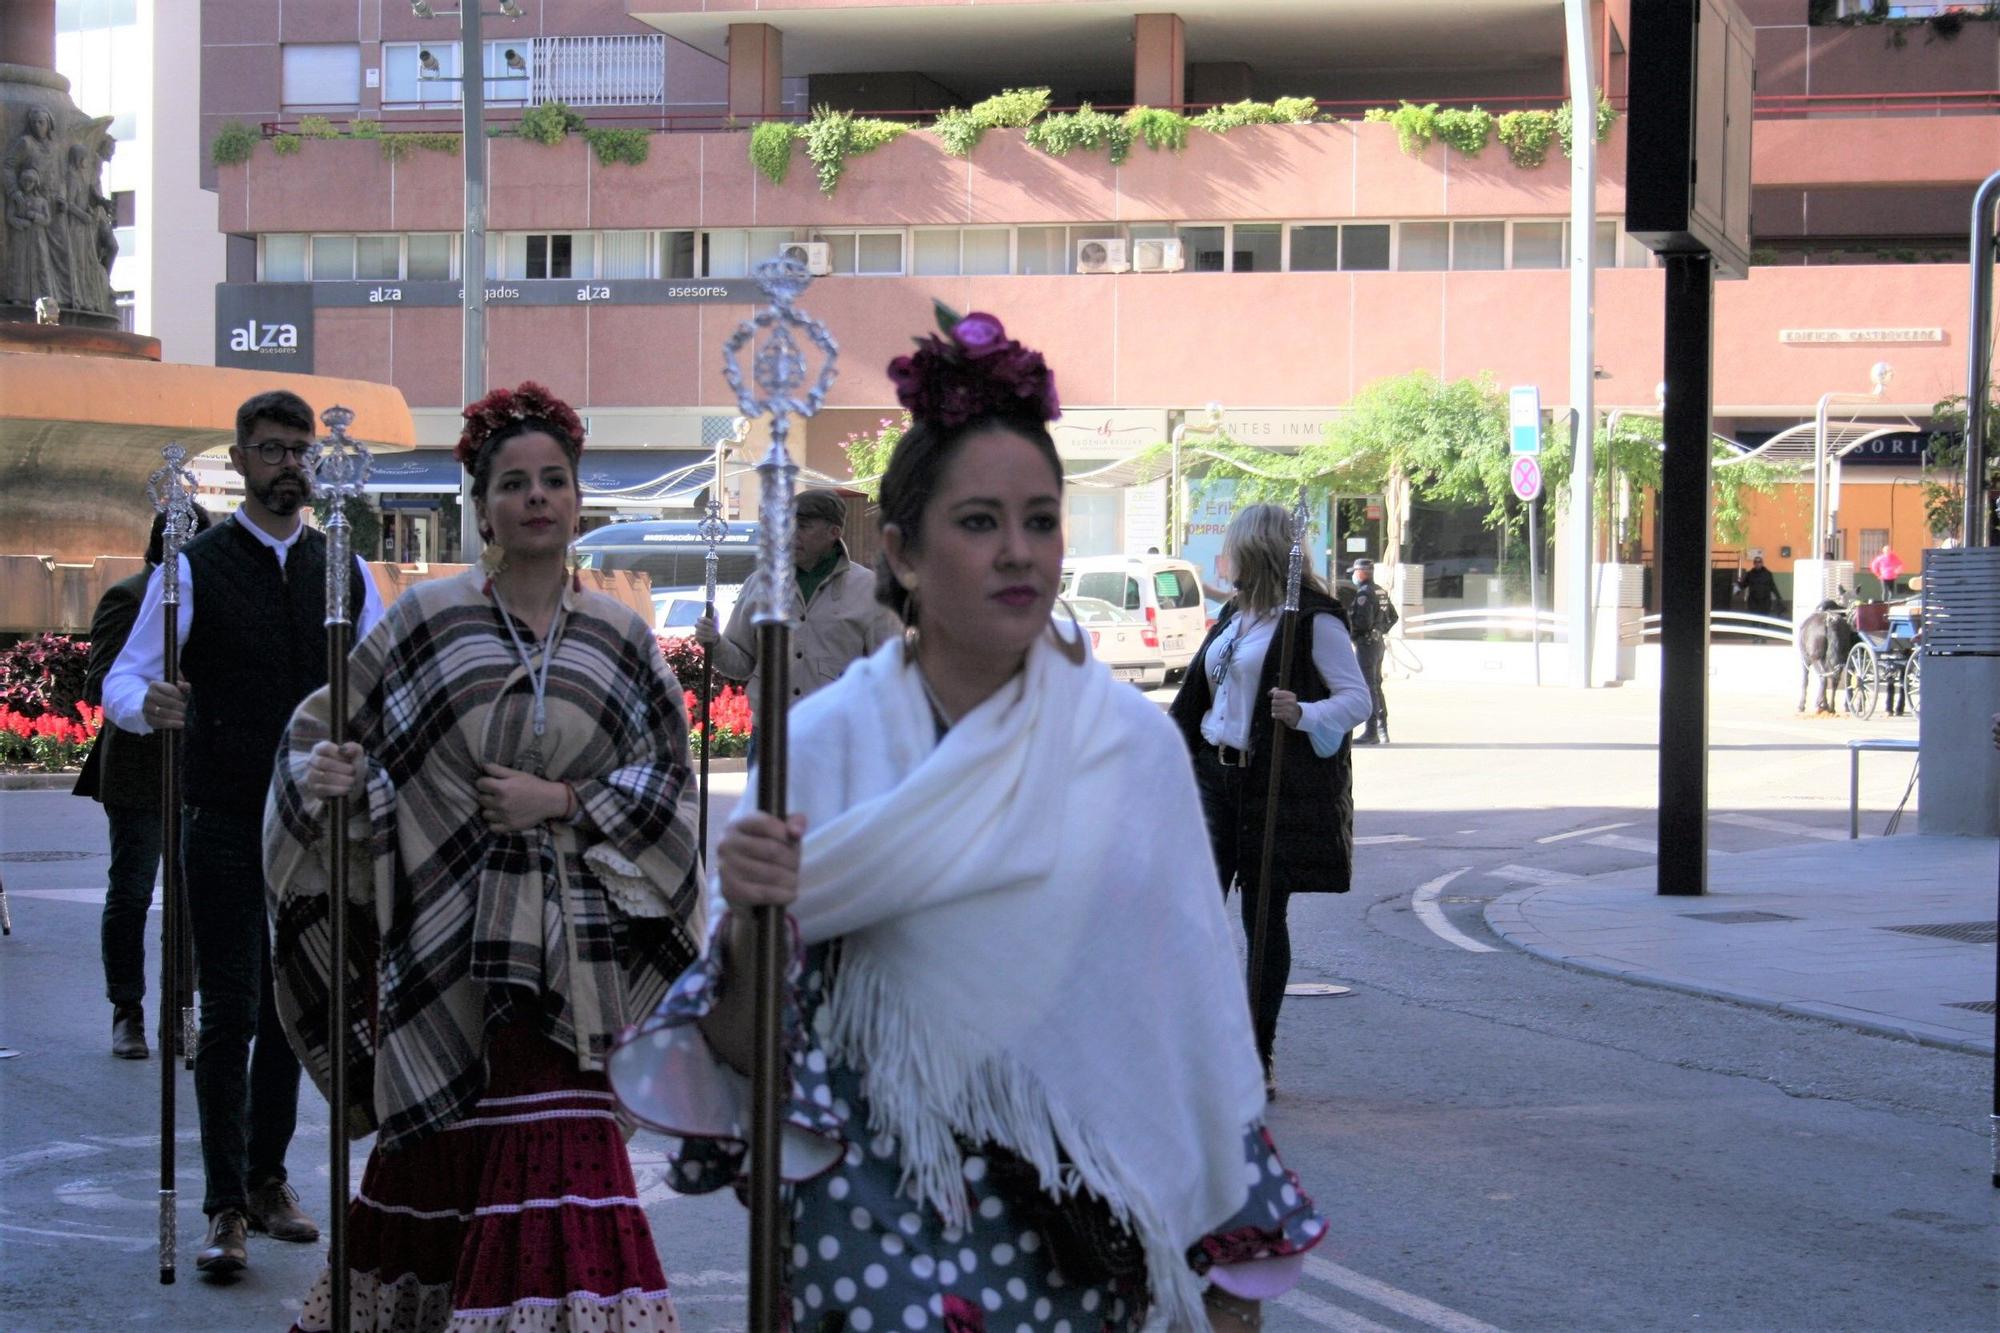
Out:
{"x": 550, "y": 123}
{"x": 771, "y": 149}
{"x": 284, "y": 145}
{"x": 396, "y": 146}
{"x": 365, "y": 129}
{"x": 317, "y": 127}
{"x": 1159, "y": 128}
{"x": 1284, "y": 111}
{"x": 1415, "y": 126}
{"x": 1062, "y": 134}
{"x": 1467, "y": 130}
{"x": 960, "y": 130}
{"x": 613, "y": 146}
{"x": 234, "y": 142}
{"x": 1526, "y": 136}
{"x": 831, "y": 137}
{"x": 1607, "y": 116}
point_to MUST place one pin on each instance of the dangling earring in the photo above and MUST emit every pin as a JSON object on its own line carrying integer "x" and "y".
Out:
{"x": 573, "y": 561}
{"x": 493, "y": 558}
{"x": 1072, "y": 649}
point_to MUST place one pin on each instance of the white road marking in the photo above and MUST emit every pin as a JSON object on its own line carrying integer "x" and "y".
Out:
{"x": 1648, "y": 846}
{"x": 1377, "y": 839}
{"x": 1424, "y": 903}
{"x": 126, "y": 1241}
{"x": 1329, "y": 1316}
{"x": 1781, "y": 826}
{"x": 1440, "y": 1317}
{"x": 1584, "y": 832}
{"x": 61, "y": 895}
{"x": 1532, "y": 875}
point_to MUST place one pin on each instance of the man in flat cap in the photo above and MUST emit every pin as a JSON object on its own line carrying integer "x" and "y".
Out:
{"x": 834, "y": 609}
{"x": 1371, "y": 614}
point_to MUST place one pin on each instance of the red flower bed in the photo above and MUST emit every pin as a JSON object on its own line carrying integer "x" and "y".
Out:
{"x": 50, "y": 741}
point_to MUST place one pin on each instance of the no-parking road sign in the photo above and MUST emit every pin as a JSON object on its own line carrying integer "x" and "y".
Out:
{"x": 1527, "y": 476}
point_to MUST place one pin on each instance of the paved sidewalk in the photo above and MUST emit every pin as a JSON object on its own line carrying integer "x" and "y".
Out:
{"x": 1832, "y": 936}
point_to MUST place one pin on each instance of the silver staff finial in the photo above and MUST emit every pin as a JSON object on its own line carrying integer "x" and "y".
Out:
{"x": 171, "y": 489}
{"x": 1301, "y": 518}
{"x": 340, "y": 466}
{"x": 781, "y": 369}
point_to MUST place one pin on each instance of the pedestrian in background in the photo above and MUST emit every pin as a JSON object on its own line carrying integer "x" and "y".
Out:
{"x": 123, "y": 775}
{"x": 253, "y": 643}
{"x": 1227, "y": 708}
{"x": 835, "y": 615}
{"x": 1371, "y": 614}
{"x": 1758, "y": 586}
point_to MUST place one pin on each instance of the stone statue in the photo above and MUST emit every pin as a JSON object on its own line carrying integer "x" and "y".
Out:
{"x": 60, "y": 235}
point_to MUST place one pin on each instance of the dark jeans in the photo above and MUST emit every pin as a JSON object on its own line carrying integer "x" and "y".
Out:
{"x": 1368, "y": 651}
{"x": 135, "y": 864}
{"x": 1222, "y": 806}
{"x": 246, "y": 1078}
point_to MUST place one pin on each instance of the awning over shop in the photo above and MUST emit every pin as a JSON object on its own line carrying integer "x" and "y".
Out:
{"x": 652, "y": 477}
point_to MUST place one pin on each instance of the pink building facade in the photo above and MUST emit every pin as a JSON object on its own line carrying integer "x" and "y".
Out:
{"x": 1314, "y": 258}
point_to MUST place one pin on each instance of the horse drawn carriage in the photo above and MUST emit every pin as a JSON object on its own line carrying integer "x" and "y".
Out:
{"x": 1869, "y": 652}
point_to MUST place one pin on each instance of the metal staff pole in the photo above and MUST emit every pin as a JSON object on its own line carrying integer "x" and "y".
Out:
{"x": 781, "y": 371}
{"x": 712, "y": 530}
{"x": 1287, "y": 640}
{"x": 340, "y": 469}
{"x": 171, "y": 489}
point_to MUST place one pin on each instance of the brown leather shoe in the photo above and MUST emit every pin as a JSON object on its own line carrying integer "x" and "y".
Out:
{"x": 226, "y": 1248}
{"x": 128, "y": 1032}
{"x": 274, "y": 1210}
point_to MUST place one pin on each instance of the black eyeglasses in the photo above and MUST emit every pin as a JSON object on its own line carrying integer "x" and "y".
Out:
{"x": 277, "y": 451}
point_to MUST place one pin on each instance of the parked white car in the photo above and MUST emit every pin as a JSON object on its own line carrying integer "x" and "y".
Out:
{"x": 1119, "y": 639}
{"x": 676, "y": 609}
{"x": 1162, "y": 590}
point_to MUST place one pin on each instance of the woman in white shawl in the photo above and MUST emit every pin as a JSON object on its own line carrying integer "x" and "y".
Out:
{"x": 1023, "y": 1088}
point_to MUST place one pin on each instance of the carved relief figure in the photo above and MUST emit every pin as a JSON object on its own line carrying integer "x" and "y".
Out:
{"x": 89, "y": 235}
{"x": 28, "y": 174}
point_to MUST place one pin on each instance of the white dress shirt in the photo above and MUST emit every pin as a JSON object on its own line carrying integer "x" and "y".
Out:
{"x": 1234, "y": 690}
{"x": 144, "y": 659}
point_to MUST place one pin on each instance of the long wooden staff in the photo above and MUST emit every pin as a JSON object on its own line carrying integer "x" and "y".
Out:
{"x": 781, "y": 372}
{"x": 172, "y": 491}
{"x": 340, "y": 470}
{"x": 1288, "y": 636}
{"x": 713, "y": 530}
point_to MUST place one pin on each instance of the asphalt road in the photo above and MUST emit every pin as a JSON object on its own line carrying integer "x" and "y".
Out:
{"x": 1499, "y": 1142}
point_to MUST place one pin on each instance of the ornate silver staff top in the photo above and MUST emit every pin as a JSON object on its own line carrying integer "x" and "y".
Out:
{"x": 171, "y": 489}
{"x": 1295, "y": 570}
{"x": 340, "y": 466}
{"x": 781, "y": 369}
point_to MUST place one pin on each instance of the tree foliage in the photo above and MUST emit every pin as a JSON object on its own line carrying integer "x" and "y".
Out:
{"x": 1944, "y": 463}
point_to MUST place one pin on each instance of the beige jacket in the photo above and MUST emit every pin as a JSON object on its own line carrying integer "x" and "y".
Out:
{"x": 842, "y": 622}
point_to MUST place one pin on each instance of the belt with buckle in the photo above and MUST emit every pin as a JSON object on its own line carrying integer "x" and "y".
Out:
{"x": 1231, "y": 757}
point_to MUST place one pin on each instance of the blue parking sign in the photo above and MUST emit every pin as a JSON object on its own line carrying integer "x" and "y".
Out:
{"x": 1524, "y": 419}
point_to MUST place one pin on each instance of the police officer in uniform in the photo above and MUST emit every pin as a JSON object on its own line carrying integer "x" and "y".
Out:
{"x": 1371, "y": 613}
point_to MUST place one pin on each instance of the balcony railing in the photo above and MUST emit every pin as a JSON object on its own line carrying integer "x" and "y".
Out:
{"x": 600, "y": 71}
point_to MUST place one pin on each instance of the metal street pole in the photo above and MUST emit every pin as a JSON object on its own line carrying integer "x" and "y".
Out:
{"x": 1682, "y": 581}
{"x": 1979, "y": 365}
{"x": 472, "y": 252}
{"x": 1582, "y": 341}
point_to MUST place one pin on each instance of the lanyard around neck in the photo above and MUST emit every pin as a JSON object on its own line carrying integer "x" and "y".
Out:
{"x": 539, "y": 683}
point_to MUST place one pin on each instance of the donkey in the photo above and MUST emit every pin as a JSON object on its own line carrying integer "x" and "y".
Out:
{"x": 1824, "y": 637}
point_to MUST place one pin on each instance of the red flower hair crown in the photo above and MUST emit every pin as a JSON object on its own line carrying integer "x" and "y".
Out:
{"x": 503, "y": 407}
{"x": 974, "y": 371}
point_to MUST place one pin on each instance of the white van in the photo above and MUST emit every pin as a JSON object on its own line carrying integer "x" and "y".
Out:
{"x": 1162, "y": 588}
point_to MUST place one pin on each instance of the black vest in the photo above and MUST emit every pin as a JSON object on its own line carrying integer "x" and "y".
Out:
{"x": 256, "y": 648}
{"x": 1314, "y": 852}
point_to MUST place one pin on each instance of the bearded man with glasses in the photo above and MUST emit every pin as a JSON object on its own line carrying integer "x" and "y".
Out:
{"x": 252, "y": 631}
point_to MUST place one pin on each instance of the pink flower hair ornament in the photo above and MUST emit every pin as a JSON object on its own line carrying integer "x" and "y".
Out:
{"x": 975, "y": 370}
{"x": 528, "y": 402}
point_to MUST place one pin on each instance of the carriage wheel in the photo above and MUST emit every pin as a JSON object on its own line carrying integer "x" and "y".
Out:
{"x": 1862, "y": 681}
{"x": 1913, "y": 675}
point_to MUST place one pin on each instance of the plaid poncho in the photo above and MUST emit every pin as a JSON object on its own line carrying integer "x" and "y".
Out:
{"x": 459, "y": 929}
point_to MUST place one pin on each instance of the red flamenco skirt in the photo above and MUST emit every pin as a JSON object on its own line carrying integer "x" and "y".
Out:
{"x": 522, "y": 1216}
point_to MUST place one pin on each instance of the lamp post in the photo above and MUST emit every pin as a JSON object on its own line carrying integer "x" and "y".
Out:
{"x": 1208, "y": 421}
{"x": 1822, "y": 515}
{"x": 472, "y": 247}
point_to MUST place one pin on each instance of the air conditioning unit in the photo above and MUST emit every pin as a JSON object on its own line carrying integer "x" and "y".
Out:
{"x": 817, "y": 256}
{"x": 1101, "y": 256}
{"x": 1161, "y": 255}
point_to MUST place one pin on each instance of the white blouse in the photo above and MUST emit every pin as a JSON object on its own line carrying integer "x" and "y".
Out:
{"x": 1327, "y": 721}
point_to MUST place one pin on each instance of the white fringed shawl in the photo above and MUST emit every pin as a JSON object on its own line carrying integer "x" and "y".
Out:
{"x": 1035, "y": 950}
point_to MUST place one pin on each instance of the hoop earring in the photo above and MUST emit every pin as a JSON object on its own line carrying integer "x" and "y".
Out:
{"x": 1072, "y": 649}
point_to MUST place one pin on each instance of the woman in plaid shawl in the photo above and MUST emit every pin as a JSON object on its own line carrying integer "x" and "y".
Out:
{"x": 525, "y": 862}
